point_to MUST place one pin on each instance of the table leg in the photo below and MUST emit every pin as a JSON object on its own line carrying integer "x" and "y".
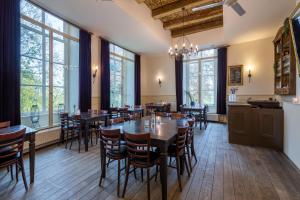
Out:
{"x": 86, "y": 136}
{"x": 103, "y": 164}
{"x": 164, "y": 171}
{"x": 32, "y": 157}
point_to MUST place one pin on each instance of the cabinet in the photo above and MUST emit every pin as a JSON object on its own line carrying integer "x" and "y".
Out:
{"x": 284, "y": 62}
{"x": 255, "y": 126}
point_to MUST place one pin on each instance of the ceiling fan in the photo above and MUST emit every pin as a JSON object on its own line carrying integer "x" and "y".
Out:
{"x": 230, "y": 3}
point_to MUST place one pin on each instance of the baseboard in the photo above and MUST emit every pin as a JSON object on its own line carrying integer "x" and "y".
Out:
{"x": 291, "y": 162}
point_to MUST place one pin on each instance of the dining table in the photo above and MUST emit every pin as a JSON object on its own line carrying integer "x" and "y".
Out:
{"x": 86, "y": 119}
{"x": 162, "y": 133}
{"x": 30, "y": 137}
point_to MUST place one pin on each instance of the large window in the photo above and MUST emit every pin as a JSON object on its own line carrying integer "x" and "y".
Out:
{"x": 121, "y": 77}
{"x": 49, "y": 67}
{"x": 200, "y": 79}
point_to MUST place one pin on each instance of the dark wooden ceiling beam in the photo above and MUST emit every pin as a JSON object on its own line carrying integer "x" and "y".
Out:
{"x": 195, "y": 18}
{"x": 177, "y": 7}
{"x": 197, "y": 28}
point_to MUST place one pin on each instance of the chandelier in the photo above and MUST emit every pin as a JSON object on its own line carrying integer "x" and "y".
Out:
{"x": 183, "y": 47}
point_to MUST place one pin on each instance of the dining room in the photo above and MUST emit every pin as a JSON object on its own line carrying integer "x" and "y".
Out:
{"x": 149, "y": 99}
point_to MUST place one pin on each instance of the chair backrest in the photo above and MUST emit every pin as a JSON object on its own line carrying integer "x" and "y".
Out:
{"x": 137, "y": 106}
{"x": 61, "y": 108}
{"x": 64, "y": 119}
{"x": 177, "y": 116}
{"x": 15, "y": 142}
{"x": 180, "y": 140}
{"x": 5, "y": 124}
{"x": 138, "y": 147}
{"x": 190, "y": 133}
{"x": 110, "y": 139}
{"x": 76, "y": 121}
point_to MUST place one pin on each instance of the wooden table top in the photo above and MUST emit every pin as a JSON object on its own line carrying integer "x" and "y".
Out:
{"x": 87, "y": 116}
{"x": 29, "y": 131}
{"x": 163, "y": 131}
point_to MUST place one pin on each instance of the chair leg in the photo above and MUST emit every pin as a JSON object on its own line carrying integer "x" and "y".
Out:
{"x": 67, "y": 136}
{"x": 11, "y": 172}
{"x": 134, "y": 172}
{"x": 156, "y": 173}
{"x": 148, "y": 183}
{"x": 17, "y": 172}
{"x": 189, "y": 156}
{"x": 119, "y": 169}
{"x": 142, "y": 174}
{"x": 23, "y": 174}
{"x": 102, "y": 170}
{"x": 186, "y": 165}
{"x": 170, "y": 161}
{"x": 126, "y": 178}
{"x": 72, "y": 138}
{"x": 79, "y": 141}
{"x": 178, "y": 173}
{"x": 193, "y": 151}
{"x": 91, "y": 135}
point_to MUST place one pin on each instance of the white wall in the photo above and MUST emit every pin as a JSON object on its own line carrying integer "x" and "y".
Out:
{"x": 257, "y": 55}
{"x": 292, "y": 127}
{"x": 154, "y": 67}
{"x": 95, "y": 48}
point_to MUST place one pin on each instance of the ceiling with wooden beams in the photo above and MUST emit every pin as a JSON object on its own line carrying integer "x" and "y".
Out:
{"x": 171, "y": 14}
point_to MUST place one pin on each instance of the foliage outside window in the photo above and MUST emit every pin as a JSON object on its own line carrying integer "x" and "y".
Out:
{"x": 121, "y": 77}
{"x": 49, "y": 67}
{"x": 200, "y": 79}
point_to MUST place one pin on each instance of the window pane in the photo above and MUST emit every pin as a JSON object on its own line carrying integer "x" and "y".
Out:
{"x": 31, "y": 43}
{"x": 54, "y": 22}
{"x": 58, "y": 52}
{"x": 31, "y": 11}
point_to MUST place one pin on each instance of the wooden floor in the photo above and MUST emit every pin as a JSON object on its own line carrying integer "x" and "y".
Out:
{"x": 223, "y": 171}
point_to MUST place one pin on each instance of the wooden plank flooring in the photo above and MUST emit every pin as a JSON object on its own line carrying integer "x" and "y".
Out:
{"x": 223, "y": 171}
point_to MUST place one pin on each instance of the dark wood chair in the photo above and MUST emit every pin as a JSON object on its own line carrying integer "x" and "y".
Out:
{"x": 110, "y": 141}
{"x": 177, "y": 151}
{"x": 76, "y": 131}
{"x": 190, "y": 143}
{"x": 11, "y": 145}
{"x": 65, "y": 127}
{"x": 5, "y": 125}
{"x": 139, "y": 155}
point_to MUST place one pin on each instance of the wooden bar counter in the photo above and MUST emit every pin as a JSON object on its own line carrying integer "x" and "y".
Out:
{"x": 254, "y": 126}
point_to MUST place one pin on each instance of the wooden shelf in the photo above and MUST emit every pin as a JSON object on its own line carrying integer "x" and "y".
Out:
{"x": 285, "y": 69}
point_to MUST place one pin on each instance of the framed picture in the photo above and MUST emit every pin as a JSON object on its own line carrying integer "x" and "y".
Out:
{"x": 235, "y": 75}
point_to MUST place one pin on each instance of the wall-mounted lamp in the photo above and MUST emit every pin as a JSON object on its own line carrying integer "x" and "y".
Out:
{"x": 159, "y": 82}
{"x": 249, "y": 74}
{"x": 95, "y": 74}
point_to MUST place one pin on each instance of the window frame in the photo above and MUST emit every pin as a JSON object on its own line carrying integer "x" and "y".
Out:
{"x": 199, "y": 61}
{"x": 48, "y": 84}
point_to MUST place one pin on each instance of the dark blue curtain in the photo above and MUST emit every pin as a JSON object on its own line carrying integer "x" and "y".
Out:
{"x": 105, "y": 75}
{"x": 222, "y": 81}
{"x": 179, "y": 79}
{"x": 10, "y": 61}
{"x": 85, "y": 89}
{"x": 137, "y": 80}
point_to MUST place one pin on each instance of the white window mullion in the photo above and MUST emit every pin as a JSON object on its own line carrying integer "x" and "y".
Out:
{"x": 51, "y": 78}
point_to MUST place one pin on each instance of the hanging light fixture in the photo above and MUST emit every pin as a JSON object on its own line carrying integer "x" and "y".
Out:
{"x": 183, "y": 47}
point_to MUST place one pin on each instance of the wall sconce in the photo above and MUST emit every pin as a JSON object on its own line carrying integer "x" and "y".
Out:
{"x": 159, "y": 82}
{"x": 95, "y": 74}
{"x": 249, "y": 74}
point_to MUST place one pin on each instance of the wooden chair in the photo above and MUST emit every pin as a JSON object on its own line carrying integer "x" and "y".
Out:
{"x": 77, "y": 131}
{"x": 177, "y": 116}
{"x": 177, "y": 151}
{"x": 11, "y": 145}
{"x": 139, "y": 155}
{"x": 202, "y": 117}
{"x": 65, "y": 127}
{"x": 110, "y": 141}
{"x": 114, "y": 111}
{"x": 5, "y": 125}
{"x": 190, "y": 143}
